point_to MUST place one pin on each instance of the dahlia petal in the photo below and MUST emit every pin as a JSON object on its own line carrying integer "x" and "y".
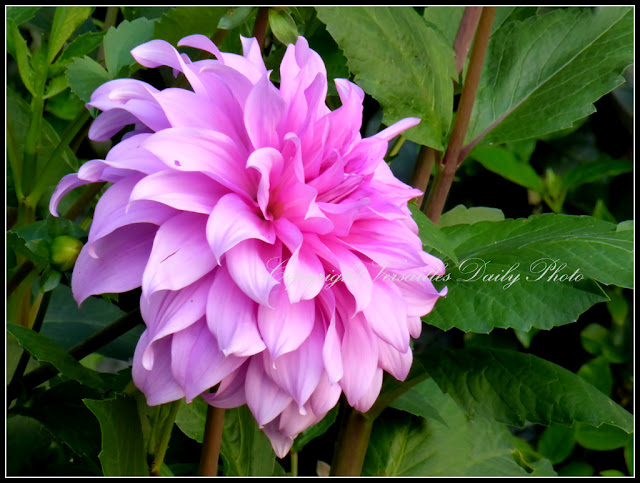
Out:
{"x": 195, "y": 363}
{"x": 110, "y": 123}
{"x": 286, "y": 326}
{"x": 354, "y": 274}
{"x": 159, "y": 52}
{"x": 247, "y": 265}
{"x": 387, "y": 315}
{"x": 372, "y": 393}
{"x": 304, "y": 273}
{"x": 232, "y": 222}
{"x": 325, "y": 397}
{"x": 399, "y": 127}
{"x": 112, "y": 211}
{"x": 66, "y": 184}
{"x": 201, "y": 42}
{"x": 415, "y": 326}
{"x": 122, "y": 257}
{"x": 182, "y": 190}
{"x": 298, "y": 372}
{"x": 293, "y": 420}
{"x": 264, "y": 398}
{"x": 262, "y": 113}
{"x": 180, "y": 254}
{"x": 231, "y": 317}
{"x": 157, "y": 384}
{"x": 360, "y": 359}
{"x": 280, "y": 442}
{"x": 129, "y": 154}
{"x": 230, "y": 393}
{"x": 393, "y": 361}
{"x": 195, "y": 149}
{"x": 268, "y": 162}
{"x": 167, "y": 312}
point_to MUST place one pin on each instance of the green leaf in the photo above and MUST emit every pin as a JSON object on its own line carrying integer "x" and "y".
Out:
{"x": 283, "y": 26}
{"x": 402, "y": 62}
{"x": 417, "y": 401}
{"x": 576, "y": 468}
{"x": 604, "y": 438}
{"x": 445, "y": 19}
{"x": 182, "y": 21}
{"x": 628, "y": 456}
{"x": 234, "y": 17}
{"x": 504, "y": 163}
{"x": 67, "y": 325}
{"x": 405, "y": 445}
{"x": 513, "y": 388}
{"x": 22, "y": 55}
{"x": 191, "y": 418}
{"x": 85, "y": 75}
{"x": 539, "y": 74}
{"x": 598, "y": 373}
{"x": 45, "y": 350}
{"x": 61, "y": 410}
{"x": 19, "y": 112}
{"x": 120, "y": 40}
{"x": 245, "y": 449}
{"x": 461, "y": 215}
{"x": 82, "y": 45}
{"x": 123, "y": 452}
{"x": 557, "y": 442}
{"x": 625, "y": 225}
{"x": 55, "y": 86}
{"x": 536, "y": 272}
{"x": 431, "y": 235}
{"x": 595, "y": 171}
{"x": 19, "y": 15}
{"x": 65, "y": 22}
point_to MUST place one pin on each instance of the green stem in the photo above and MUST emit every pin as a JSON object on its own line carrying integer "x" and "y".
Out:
{"x": 25, "y": 356}
{"x": 294, "y": 463}
{"x": 43, "y": 173}
{"x": 32, "y": 141}
{"x": 446, "y": 170}
{"x": 14, "y": 159}
{"x": 212, "y": 441}
{"x": 352, "y": 444}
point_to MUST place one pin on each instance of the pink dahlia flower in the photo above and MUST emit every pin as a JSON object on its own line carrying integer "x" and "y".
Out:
{"x": 275, "y": 250}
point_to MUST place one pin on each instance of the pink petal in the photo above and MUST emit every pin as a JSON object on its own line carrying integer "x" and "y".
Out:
{"x": 360, "y": 359}
{"x": 231, "y": 317}
{"x": 195, "y": 363}
{"x": 157, "y": 384}
{"x": 187, "y": 191}
{"x": 180, "y": 254}
{"x": 392, "y": 131}
{"x": 286, "y": 326}
{"x": 264, "y": 398}
{"x": 387, "y": 315}
{"x": 393, "y": 361}
{"x": 121, "y": 259}
{"x": 230, "y": 393}
{"x": 247, "y": 265}
{"x": 262, "y": 114}
{"x": 268, "y": 163}
{"x": 372, "y": 393}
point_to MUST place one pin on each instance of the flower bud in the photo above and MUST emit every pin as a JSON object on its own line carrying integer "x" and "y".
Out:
{"x": 64, "y": 251}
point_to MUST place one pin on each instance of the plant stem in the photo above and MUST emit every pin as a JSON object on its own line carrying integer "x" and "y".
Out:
{"x": 352, "y": 444}
{"x": 82, "y": 202}
{"x": 19, "y": 275}
{"x": 464, "y": 37}
{"x": 25, "y": 356}
{"x": 67, "y": 136}
{"x": 212, "y": 440}
{"x": 422, "y": 171}
{"x": 32, "y": 140}
{"x": 444, "y": 177}
{"x": 260, "y": 27}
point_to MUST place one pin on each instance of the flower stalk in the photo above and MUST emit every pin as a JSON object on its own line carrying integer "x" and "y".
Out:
{"x": 352, "y": 444}
{"x": 446, "y": 170}
{"x": 212, "y": 441}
